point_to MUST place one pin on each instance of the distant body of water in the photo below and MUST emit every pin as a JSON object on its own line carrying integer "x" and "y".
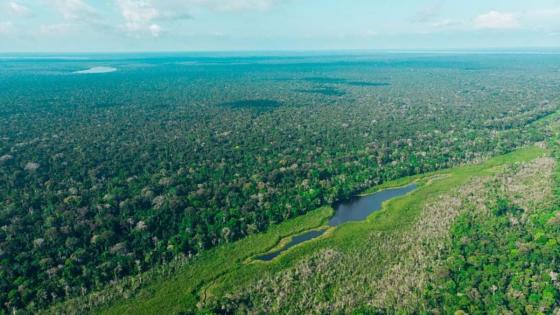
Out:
{"x": 97, "y": 70}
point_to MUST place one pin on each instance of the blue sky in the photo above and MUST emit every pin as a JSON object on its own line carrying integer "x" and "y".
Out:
{"x": 204, "y": 25}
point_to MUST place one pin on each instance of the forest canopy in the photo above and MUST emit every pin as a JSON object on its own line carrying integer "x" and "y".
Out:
{"x": 108, "y": 175}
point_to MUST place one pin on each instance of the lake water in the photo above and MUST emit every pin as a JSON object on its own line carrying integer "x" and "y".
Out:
{"x": 355, "y": 209}
{"x": 97, "y": 70}
{"x": 360, "y": 207}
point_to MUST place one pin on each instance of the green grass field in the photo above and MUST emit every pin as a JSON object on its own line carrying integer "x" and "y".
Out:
{"x": 223, "y": 269}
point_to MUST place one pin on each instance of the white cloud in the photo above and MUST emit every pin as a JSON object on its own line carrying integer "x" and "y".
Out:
{"x": 143, "y": 16}
{"x": 147, "y": 16}
{"x": 138, "y": 14}
{"x": 74, "y": 10}
{"x": 235, "y": 5}
{"x": 540, "y": 20}
{"x": 18, "y": 9}
{"x": 155, "y": 30}
{"x": 496, "y": 20}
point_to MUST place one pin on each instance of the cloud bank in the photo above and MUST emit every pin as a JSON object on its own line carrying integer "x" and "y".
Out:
{"x": 269, "y": 24}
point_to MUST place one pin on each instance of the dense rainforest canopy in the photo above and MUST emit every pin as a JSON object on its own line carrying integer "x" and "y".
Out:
{"x": 107, "y": 175}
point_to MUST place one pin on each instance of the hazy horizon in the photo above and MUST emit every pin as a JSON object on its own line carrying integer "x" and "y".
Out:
{"x": 275, "y": 25}
{"x": 285, "y": 53}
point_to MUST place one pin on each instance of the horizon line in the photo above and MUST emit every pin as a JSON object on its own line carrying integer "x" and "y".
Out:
{"x": 303, "y": 51}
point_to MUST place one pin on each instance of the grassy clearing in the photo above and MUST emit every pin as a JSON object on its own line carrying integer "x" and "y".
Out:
{"x": 225, "y": 269}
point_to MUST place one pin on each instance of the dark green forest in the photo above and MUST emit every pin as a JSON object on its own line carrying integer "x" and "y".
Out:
{"x": 103, "y": 176}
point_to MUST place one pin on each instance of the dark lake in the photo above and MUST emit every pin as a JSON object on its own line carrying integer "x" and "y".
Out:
{"x": 355, "y": 209}
{"x": 360, "y": 207}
